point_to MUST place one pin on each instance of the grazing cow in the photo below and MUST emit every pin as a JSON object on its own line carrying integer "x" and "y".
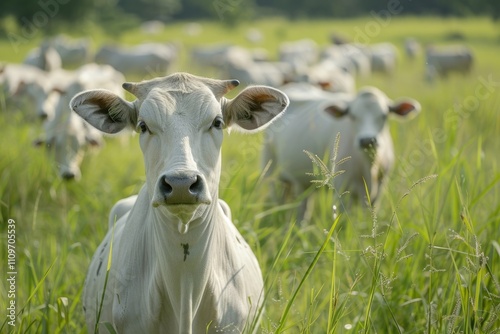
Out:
{"x": 303, "y": 51}
{"x": 25, "y": 83}
{"x": 312, "y": 122}
{"x": 144, "y": 59}
{"x": 384, "y": 57}
{"x": 330, "y": 77}
{"x": 73, "y": 52}
{"x": 46, "y": 91}
{"x": 66, "y": 134}
{"x": 350, "y": 57}
{"x": 239, "y": 64}
{"x": 179, "y": 265}
{"x": 446, "y": 59}
{"x": 44, "y": 57}
{"x": 299, "y": 54}
{"x": 213, "y": 56}
{"x": 412, "y": 48}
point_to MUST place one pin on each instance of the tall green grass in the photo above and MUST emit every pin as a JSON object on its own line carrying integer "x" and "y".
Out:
{"x": 427, "y": 261}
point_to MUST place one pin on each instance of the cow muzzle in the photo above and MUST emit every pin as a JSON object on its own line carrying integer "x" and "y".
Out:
{"x": 368, "y": 143}
{"x": 181, "y": 188}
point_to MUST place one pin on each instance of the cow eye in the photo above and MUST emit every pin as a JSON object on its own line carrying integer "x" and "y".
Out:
{"x": 218, "y": 123}
{"x": 141, "y": 125}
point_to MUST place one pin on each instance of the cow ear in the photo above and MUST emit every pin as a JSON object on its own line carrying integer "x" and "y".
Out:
{"x": 337, "y": 110}
{"x": 254, "y": 108}
{"x": 405, "y": 107}
{"x": 104, "y": 110}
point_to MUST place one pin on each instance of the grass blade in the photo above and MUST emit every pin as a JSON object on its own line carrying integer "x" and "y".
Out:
{"x": 307, "y": 273}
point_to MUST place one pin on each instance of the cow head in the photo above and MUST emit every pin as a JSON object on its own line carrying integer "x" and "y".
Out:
{"x": 66, "y": 136}
{"x": 180, "y": 119}
{"x": 368, "y": 113}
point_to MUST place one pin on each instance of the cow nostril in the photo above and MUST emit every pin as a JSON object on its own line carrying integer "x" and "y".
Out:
{"x": 68, "y": 176}
{"x": 185, "y": 188}
{"x": 165, "y": 187}
{"x": 370, "y": 142}
{"x": 196, "y": 187}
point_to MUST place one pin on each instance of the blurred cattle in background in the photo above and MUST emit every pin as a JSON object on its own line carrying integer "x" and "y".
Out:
{"x": 193, "y": 29}
{"x": 383, "y": 57}
{"x": 299, "y": 54}
{"x": 153, "y": 27}
{"x": 254, "y": 35}
{"x": 73, "y": 52}
{"x": 211, "y": 56}
{"x": 149, "y": 59}
{"x": 250, "y": 66}
{"x": 66, "y": 134}
{"x": 442, "y": 60}
{"x": 349, "y": 57}
{"x": 25, "y": 87}
{"x": 239, "y": 63}
{"x": 412, "y": 48}
{"x": 338, "y": 39}
{"x": 44, "y": 57}
{"x": 330, "y": 77}
{"x": 312, "y": 122}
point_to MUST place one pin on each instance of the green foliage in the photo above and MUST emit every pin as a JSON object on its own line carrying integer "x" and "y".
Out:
{"x": 427, "y": 261}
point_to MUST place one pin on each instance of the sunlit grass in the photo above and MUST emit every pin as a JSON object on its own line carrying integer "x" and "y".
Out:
{"x": 428, "y": 261}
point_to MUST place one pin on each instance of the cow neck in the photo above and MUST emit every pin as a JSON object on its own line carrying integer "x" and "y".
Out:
{"x": 184, "y": 262}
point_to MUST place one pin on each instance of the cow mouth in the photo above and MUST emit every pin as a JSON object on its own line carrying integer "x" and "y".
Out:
{"x": 180, "y": 206}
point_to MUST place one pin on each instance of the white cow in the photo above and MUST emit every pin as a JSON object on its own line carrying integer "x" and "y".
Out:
{"x": 179, "y": 265}
{"x": 238, "y": 63}
{"x": 213, "y": 56}
{"x": 145, "y": 59}
{"x": 446, "y": 59}
{"x": 312, "y": 122}
{"x": 46, "y": 91}
{"x": 301, "y": 51}
{"x": 384, "y": 57}
{"x": 299, "y": 55}
{"x": 44, "y": 57}
{"x": 412, "y": 48}
{"x": 73, "y": 52}
{"x": 330, "y": 77}
{"x": 66, "y": 134}
{"x": 350, "y": 57}
{"x": 22, "y": 83}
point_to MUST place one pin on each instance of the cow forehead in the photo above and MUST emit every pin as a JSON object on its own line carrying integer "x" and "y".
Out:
{"x": 161, "y": 105}
{"x": 177, "y": 82}
{"x": 369, "y": 103}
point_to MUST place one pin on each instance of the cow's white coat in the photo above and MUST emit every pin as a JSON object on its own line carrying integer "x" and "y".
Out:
{"x": 67, "y": 135}
{"x": 312, "y": 122}
{"x": 179, "y": 265}
{"x": 145, "y": 59}
{"x": 442, "y": 60}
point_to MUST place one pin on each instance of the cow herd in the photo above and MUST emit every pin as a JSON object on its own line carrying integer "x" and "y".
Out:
{"x": 166, "y": 242}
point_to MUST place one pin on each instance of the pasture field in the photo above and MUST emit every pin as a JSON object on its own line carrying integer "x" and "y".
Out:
{"x": 427, "y": 262}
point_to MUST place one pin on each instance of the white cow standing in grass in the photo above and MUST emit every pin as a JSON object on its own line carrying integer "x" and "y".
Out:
{"x": 443, "y": 60}
{"x": 312, "y": 122}
{"x": 16, "y": 81}
{"x": 143, "y": 59}
{"x": 179, "y": 265}
{"x": 67, "y": 135}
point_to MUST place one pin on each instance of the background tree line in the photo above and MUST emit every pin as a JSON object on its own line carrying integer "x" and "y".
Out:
{"x": 228, "y": 11}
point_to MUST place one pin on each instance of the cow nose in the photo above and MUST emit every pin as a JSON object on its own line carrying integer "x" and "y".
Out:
{"x": 368, "y": 142}
{"x": 68, "y": 175}
{"x": 43, "y": 116}
{"x": 185, "y": 188}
